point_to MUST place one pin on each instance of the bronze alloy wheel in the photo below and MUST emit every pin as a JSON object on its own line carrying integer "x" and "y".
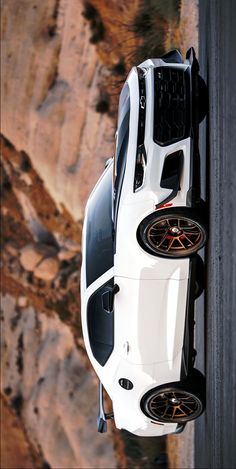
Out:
{"x": 173, "y": 405}
{"x": 178, "y": 232}
{"x": 175, "y": 235}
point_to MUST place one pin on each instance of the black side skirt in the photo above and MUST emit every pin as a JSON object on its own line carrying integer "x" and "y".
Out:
{"x": 188, "y": 352}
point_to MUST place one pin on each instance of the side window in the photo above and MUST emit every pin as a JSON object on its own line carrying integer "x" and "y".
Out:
{"x": 100, "y": 324}
{"x": 99, "y": 230}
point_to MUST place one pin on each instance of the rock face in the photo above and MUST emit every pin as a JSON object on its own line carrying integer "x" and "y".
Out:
{"x": 66, "y": 255}
{"x": 32, "y": 254}
{"x": 22, "y": 301}
{"x": 46, "y": 377}
{"x": 54, "y": 79}
{"x": 23, "y": 455}
{"x": 45, "y": 381}
{"x": 47, "y": 269}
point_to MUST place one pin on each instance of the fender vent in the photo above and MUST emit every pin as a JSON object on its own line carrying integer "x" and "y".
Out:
{"x": 172, "y": 170}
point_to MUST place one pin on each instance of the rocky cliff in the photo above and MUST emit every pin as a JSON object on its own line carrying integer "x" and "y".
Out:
{"x": 50, "y": 89}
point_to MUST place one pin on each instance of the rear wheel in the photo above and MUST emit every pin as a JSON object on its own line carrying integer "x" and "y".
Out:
{"x": 175, "y": 402}
{"x": 172, "y": 233}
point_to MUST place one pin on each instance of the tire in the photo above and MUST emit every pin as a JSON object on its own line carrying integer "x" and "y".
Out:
{"x": 177, "y": 402}
{"x": 200, "y": 277}
{"x": 202, "y": 99}
{"x": 175, "y": 233}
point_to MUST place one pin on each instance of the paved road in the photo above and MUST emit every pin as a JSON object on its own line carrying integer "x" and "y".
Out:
{"x": 215, "y": 436}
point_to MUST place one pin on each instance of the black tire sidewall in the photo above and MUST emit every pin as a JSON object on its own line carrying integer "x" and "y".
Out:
{"x": 202, "y": 99}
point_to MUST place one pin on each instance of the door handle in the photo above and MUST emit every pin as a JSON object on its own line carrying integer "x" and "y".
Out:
{"x": 108, "y": 298}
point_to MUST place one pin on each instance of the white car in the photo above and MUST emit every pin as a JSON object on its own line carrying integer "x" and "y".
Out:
{"x": 144, "y": 223}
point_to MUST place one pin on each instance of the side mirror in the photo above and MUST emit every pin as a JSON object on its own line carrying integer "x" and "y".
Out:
{"x": 108, "y": 162}
{"x": 101, "y": 425}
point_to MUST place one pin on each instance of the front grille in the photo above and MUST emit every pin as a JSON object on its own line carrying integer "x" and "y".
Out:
{"x": 172, "y": 105}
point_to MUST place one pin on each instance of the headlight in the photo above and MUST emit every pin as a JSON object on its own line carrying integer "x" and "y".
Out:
{"x": 141, "y": 158}
{"x": 140, "y": 168}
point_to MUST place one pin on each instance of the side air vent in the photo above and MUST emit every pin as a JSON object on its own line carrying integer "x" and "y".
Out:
{"x": 172, "y": 170}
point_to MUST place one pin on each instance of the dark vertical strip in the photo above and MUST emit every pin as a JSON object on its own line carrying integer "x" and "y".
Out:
{"x": 215, "y": 433}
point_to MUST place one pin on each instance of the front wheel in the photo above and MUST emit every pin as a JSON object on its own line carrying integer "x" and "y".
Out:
{"x": 199, "y": 277}
{"x": 176, "y": 233}
{"x": 202, "y": 99}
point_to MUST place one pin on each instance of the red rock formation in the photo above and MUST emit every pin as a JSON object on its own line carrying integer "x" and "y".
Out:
{"x": 50, "y": 89}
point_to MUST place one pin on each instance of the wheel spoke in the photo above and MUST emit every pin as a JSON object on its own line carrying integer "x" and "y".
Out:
{"x": 163, "y": 239}
{"x": 174, "y": 411}
{"x": 167, "y": 407}
{"x": 187, "y": 400}
{"x": 189, "y": 227}
{"x": 159, "y": 405}
{"x": 159, "y": 228}
{"x": 157, "y": 235}
{"x": 159, "y": 232}
{"x": 181, "y": 243}
{"x": 189, "y": 408}
{"x": 191, "y": 233}
{"x": 170, "y": 243}
{"x": 189, "y": 240}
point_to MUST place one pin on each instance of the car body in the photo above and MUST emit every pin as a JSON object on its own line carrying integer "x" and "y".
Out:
{"x": 144, "y": 223}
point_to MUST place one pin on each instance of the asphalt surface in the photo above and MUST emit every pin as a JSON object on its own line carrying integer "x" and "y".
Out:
{"x": 215, "y": 430}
